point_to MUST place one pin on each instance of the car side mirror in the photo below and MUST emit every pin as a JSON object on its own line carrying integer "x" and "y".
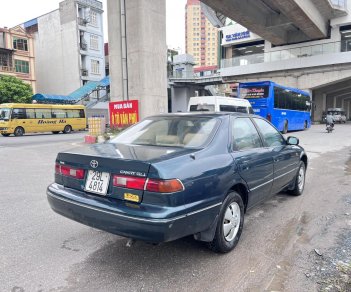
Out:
{"x": 293, "y": 141}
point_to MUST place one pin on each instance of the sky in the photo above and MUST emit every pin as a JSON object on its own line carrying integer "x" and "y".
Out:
{"x": 14, "y": 12}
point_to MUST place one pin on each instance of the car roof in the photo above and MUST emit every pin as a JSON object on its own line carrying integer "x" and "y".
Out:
{"x": 203, "y": 114}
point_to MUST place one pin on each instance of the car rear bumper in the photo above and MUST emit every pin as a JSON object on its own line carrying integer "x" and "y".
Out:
{"x": 87, "y": 210}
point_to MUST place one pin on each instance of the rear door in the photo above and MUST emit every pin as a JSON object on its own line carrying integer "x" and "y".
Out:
{"x": 286, "y": 158}
{"x": 254, "y": 162}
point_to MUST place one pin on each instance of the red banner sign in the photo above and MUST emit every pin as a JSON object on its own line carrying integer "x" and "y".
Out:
{"x": 123, "y": 113}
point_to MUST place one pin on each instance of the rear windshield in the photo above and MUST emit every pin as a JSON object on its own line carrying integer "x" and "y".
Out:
{"x": 170, "y": 131}
{"x": 254, "y": 91}
{"x": 336, "y": 113}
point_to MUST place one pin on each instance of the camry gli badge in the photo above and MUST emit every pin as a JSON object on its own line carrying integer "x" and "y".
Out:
{"x": 94, "y": 164}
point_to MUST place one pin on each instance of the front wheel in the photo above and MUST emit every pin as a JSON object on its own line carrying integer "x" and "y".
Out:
{"x": 230, "y": 224}
{"x": 299, "y": 180}
{"x": 19, "y": 131}
{"x": 5, "y": 135}
{"x": 67, "y": 129}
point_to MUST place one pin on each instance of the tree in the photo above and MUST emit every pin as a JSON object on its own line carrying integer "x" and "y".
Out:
{"x": 13, "y": 89}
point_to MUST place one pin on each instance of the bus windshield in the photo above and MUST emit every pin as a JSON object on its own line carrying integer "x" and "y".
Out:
{"x": 5, "y": 114}
{"x": 254, "y": 91}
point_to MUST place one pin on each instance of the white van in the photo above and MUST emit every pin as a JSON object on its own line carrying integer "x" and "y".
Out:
{"x": 219, "y": 104}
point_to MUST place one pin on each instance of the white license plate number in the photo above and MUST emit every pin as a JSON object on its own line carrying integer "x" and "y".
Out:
{"x": 97, "y": 182}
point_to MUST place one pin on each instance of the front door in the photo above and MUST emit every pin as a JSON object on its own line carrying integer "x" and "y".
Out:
{"x": 286, "y": 159}
{"x": 254, "y": 162}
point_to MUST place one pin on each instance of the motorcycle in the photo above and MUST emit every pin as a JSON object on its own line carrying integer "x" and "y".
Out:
{"x": 330, "y": 128}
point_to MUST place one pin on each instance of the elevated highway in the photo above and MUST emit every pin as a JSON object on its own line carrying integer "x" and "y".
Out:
{"x": 281, "y": 22}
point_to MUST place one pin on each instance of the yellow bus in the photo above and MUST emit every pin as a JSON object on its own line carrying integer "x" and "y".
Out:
{"x": 20, "y": 118}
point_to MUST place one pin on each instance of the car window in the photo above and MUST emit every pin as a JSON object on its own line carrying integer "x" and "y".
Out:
{"x": 170, "y": 131}
{"x": 270, "y": 135}
{"x": 233, "y": 108}
{"x": 202, "y": 108}
{"x": 245, "y": 135}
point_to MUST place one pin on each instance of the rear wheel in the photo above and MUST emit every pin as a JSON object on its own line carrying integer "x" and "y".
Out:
{"x": 285, "y": 128}
{"x": 67, "y": 129}
{"x": 230, "y": 224}
{"x": 299, "y": 180}
{"x": 19, "y": 131}
{"x": 5, "y": 135}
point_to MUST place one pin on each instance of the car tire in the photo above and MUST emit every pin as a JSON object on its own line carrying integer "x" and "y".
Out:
{"x": 299, "y": 184}
{"x": 5, "y": 135}
{"x": 55, "y": 132}
{"x": 285, "y": 128}
{"x": 19, "y": 131}
{"x": 229, "y": 225}
{"x": 67, "y": 129}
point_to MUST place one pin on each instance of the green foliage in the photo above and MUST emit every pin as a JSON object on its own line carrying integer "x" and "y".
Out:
{"x": 15, "y": 90}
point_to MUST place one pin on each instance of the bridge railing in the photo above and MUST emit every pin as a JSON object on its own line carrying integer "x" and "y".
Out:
{"x": 192, "y": 75}
{"x": 293, "y": 53}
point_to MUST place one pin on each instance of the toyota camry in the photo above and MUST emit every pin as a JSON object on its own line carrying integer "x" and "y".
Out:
{"x": 174, "y": 175}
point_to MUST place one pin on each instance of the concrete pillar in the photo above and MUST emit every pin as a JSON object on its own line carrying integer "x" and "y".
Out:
{"x": 146, "y": 53}
{"x": 324, "y": 96}
{"x": 115, "y": 50}
{"x": 334, "y": 101}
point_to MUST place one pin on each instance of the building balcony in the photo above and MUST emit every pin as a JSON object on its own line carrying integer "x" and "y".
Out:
{"x": 292, "y": 58}
{"x": 82, "y": 21}
{"x": 83, "y": 47}
{"x": 7, "y": 69}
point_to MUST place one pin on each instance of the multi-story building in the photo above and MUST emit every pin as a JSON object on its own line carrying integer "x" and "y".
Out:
{"x": 201, "y": 37}
{"x": 69, "y": 46}
{"x": 17, "y": 55}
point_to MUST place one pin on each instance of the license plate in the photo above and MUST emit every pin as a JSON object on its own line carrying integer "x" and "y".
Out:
{"x": 97, "y": 182}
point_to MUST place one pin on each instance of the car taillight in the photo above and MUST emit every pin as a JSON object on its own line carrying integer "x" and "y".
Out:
{"x": 269, "y": 117}
{"x": 69, "y": 171}
{"x": 151, "y": 185}
{"x": 129, "y": 182}
{"x": 164, "y": 186}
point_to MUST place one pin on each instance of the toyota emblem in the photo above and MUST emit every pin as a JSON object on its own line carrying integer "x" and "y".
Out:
{"x": 94, "y": 164}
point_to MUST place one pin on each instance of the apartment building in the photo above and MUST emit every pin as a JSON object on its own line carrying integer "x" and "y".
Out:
{"x": 17, "y": 55}
{"x": 69, "y": 46}
{"x": 201, "y": 37}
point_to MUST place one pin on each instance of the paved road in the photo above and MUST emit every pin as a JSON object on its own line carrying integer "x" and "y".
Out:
{"x": 42, "y": 251}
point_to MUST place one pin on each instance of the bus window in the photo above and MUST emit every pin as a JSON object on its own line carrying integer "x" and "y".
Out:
{"x": 81, "y": 113}
{"x": 72, "y": 113}
{"x": 43, "y": 113}
{"x": 58, "y": 113}
{"x": 30, "y": 113}
{"x": 18, "y": 113}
